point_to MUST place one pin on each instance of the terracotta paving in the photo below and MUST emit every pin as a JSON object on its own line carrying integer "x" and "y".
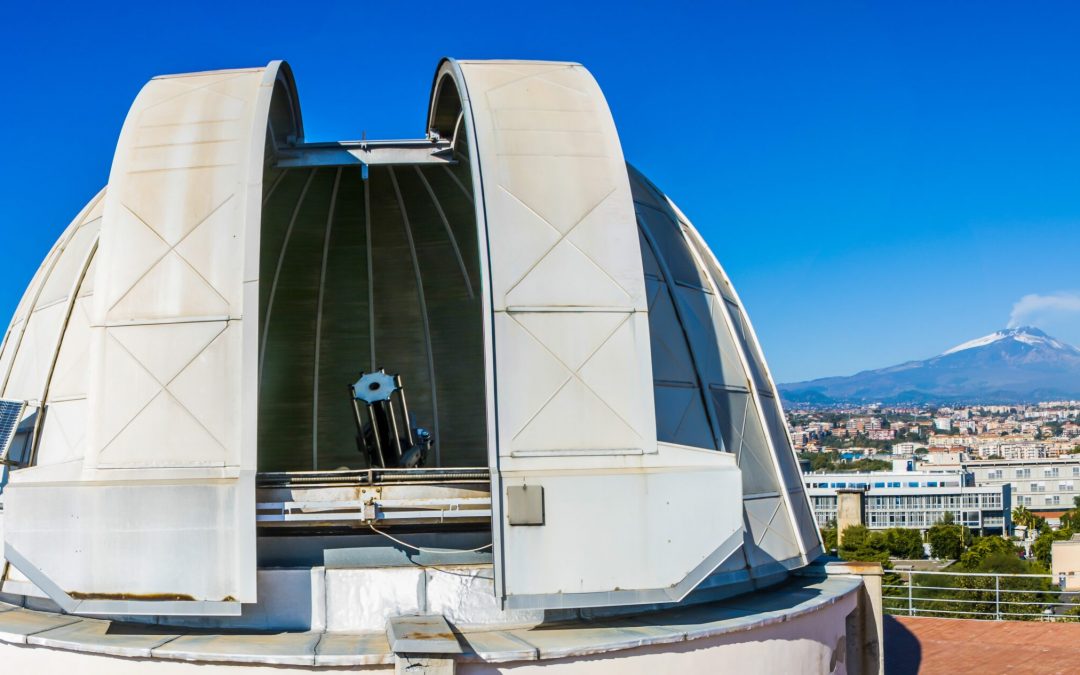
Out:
{"x": 958, "y": 646}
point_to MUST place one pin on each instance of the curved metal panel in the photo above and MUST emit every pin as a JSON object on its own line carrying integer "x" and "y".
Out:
{"x": 799, "y": 526}
{"x": 741, "y": 395}
{"x": 26, "y": 354}
{"x": 569, "y": 354}
{"x": 29, "y": 355}
{"x": 165, "y": 491}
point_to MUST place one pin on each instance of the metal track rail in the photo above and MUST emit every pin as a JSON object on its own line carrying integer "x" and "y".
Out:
{"x": 370, "y": 477}
{"x": 400, "y": 511}
{"x": 422, "y": 496}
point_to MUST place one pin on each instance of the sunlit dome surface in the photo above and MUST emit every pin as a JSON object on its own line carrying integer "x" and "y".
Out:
{"x": 576, "y": 356}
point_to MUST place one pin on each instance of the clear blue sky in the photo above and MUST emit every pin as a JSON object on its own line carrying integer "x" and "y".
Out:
{"x": 881, "y": 180}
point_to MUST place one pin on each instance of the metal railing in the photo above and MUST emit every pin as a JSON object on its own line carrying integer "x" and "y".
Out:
{"x": 978, "y": 595}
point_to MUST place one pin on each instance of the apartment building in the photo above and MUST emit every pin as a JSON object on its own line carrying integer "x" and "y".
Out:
{"x": 1039, "y": 484}
{"x": 914, "y": 499}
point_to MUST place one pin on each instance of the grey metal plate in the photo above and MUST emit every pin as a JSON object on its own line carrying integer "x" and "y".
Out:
{"x": 577, "y": 640}
{"x": 295, "y": 649}
{"x": 340, "y": 649}
{"x": 105, "y": 637}
{"x": 498, "y": 646}
{"x": 421, "y": 634}
{"x": 525, "y": 504}
{"x": 17, "y": 624}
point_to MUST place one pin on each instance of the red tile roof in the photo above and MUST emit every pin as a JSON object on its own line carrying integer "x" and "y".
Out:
{"x": 932, "y": 646}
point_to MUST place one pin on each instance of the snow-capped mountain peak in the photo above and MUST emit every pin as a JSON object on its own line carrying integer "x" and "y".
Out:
{"x": 1028, "y": 335}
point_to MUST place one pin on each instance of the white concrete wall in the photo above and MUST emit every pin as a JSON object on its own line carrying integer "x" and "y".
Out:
{"x": 813, "y": 643}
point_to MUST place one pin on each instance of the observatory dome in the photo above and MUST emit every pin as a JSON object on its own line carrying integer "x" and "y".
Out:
{"x": 498, "y": 341}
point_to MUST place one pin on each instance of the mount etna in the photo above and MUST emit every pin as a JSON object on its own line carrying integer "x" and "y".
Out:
{"x": 1014, "y": 365}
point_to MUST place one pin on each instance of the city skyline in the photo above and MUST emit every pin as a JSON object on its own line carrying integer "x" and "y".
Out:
{"x": 881, "y": 183}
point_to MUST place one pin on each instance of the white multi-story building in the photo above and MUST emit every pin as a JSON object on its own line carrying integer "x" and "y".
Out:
{"x": 1039, "y": 484}
{"x": 906, "y": 448}
{"x": 947, "y": 441}
{"x": 914, "y": 499}
{"x": 966, "y": 426}
{"x": 1024, "y": 451}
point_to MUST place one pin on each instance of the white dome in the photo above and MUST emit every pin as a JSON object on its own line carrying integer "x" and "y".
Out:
{"x": 554, "y": 317}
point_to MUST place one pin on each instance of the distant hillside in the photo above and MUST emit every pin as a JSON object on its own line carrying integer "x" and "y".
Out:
{"x": 1014, "y": 365}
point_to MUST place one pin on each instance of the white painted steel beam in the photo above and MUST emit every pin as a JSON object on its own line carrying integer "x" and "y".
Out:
{"x": 370, "y": 153}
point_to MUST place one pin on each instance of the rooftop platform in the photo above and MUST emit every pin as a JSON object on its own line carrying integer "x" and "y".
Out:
{"x": 932, "y": 646}
{"x": 800, "y": 597}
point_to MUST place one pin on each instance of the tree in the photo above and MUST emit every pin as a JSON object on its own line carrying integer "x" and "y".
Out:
{"x": 859, "y": 543}
{"x": 1020, "y": 597}
{"x": 904, "y": 543}
{"x": 989, "y": 552}
{"x": 947, "y": 540}
{"x": 866, "y": 465}
{"x": 1042, "y": 546}
{"x": 1071, "y": 518}
{"x": 854, "y": 536}
{"x": 828, "y": 538}
{"x": 830, "y": 462}
{"x": 1022, "y": 515}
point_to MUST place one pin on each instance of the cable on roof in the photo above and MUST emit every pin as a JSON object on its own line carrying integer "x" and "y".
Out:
{"x": 422, "y": 549}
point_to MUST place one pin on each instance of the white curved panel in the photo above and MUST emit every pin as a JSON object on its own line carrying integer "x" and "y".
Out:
{"x": 69, "y": 267}
{"x": 34, "y": 335}
{"x": 35, "y": 353}
{"x": 566, "y": 281}
{"x": 63, "y": 433}
{"x": 70, "y": 377}
{"x": 797, "y": 531}
{"x": 171, "y": 265}
{"x": 30, "y": 352}
{"x": 165, "y": 491}
{"x": 572, "y": 355}
{"x": 7, "y": 348}
{"x": 741, "y": 398}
